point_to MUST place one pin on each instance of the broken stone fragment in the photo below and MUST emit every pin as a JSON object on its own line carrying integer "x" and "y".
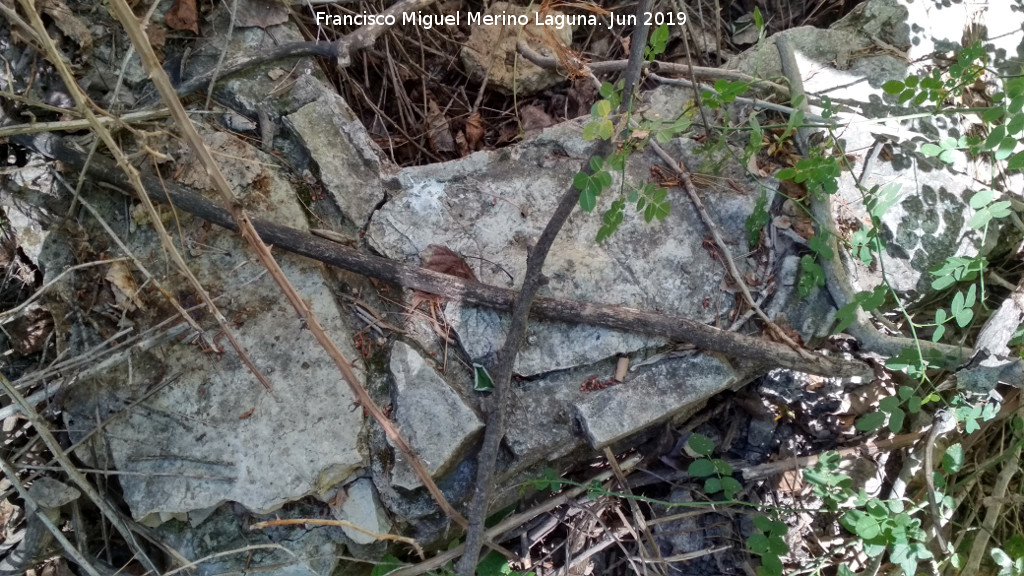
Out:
{"x": 431, "y": 417}
{"x": 348, "y": 161}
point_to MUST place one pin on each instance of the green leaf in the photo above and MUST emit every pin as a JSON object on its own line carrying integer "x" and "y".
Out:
{"x": 1016, "y": 162}
{"x": 819, "y": 245}
{"x": 870, "y": 421}
{"x": 770, "y": 566}
{"x": 872, "y": 300}
{"x": 893, "y": 87}
{"x": 846, "y": 316}
{"x": 777, "y": 546}
{"x": 601, "y": 109}
{"x": 493, "y": 564}
{"x": 588, "y": 199}
{"x": 762, "y": 523}
{"x": 607, "y": 90}
{"x": 701, "y": 444}
{"x": 702, "y": 468}
{"x": 982, "y": 199}
{"x": 1015, "y": 125}
{"x": 896, "y": 419}
{"x": 867, "y": 527}
{"x": 482, "y": 379}
{"x": 992, "y": 115}
{"x": 712, "y": 485}
{"x": 758, "y": 544}
{"x": 1015, "y": 546}
{"x": 889, "y": 404}
{"x": 758, "y": 20}
{"x": 1000, "y": 209}
{"x": 722, "y": 467}
{"x": 953, "y": 459}
{"x": 731, "y": 487}
{"x": 785, "y": 174}
{"x": 994, "y": 140}
{"x": 1002, "y": 559}
{"x": 930, "y": 150}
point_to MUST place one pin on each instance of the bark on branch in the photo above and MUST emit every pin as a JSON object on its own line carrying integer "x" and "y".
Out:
{"x": 768, "y": 353}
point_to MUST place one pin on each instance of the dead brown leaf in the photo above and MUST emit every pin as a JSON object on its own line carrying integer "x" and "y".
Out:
{"x": 183, "y": 15}
{"x": 157, "y": 36}
{"x": 126, "y": 291}
{"x": 68, "y": 23}
{"x": 438, "y": 130}
{"x": 474, "y": 131}
{"x": 442, "y": 259}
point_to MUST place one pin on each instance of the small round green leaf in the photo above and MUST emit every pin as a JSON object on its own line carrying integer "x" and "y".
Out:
{"x": 701, "y": 468}
{"x": 701, "y": 444}
{"x": 870, "y": 421}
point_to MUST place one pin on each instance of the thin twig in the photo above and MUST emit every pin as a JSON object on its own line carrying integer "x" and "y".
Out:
{"x": 68, "y": 125}
{"x": 339, "y": 523}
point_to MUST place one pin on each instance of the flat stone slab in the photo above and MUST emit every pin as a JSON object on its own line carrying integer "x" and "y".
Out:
{"x": 344, "y": 153}
{"x": 363, "y": 508}
{"x": 490, "y": 207}
{"x": 431, "y": 417}
{"x": 214, "y": 433}
{"x": 655, "y": 394}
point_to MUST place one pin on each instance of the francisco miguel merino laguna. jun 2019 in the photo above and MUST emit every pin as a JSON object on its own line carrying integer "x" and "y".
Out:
{"x": 558, "y": 21}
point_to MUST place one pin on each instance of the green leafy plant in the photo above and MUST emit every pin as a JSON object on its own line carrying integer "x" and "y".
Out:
{"x": 832, "y": 486}
{"x": 768, "y": 543}
{"x": 649, "y": 199}
{"x": 896, "y": 408}
{"x": 717, "y": 473}
{"x": 886, "y": 525}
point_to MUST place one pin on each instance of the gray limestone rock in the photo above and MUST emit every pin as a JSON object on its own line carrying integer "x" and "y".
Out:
{"x": 347, "y": 158}
{"x": 362, "y": 508}
{"x": 431, "y": 417}
{"x": 655, "y": 394}
{"x": 491, "y": 206}
{"x": 214, "y": 434}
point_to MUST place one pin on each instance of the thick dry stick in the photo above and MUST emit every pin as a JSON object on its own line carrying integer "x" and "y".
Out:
{"x": 677, "y": 328}
{"x": 239, "y": 216}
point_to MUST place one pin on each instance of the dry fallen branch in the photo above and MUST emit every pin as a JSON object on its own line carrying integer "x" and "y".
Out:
{"x": 756, "y": 350}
